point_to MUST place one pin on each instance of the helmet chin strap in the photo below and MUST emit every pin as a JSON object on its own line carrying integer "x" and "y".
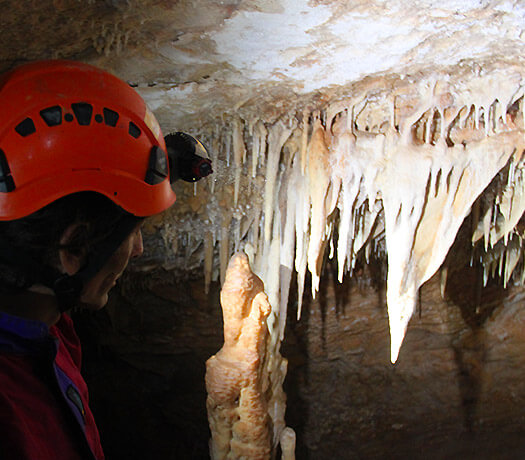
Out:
{"x": 68, "y": 288}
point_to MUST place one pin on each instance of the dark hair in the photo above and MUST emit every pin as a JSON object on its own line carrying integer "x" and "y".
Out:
{"x": 38, "y": 235}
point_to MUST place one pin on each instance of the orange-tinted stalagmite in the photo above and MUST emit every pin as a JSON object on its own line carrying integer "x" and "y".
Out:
{"x": 235, "y": 381}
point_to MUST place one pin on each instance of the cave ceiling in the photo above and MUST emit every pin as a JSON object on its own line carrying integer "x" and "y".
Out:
{"x": 335, "y": 127}
{"x": 193, "y": 60}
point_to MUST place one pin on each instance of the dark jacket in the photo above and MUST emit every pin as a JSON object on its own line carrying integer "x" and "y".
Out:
{"x": 44, "y": 413}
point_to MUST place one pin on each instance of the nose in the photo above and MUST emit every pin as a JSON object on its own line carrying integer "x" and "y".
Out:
{"x": 138, "y": 246}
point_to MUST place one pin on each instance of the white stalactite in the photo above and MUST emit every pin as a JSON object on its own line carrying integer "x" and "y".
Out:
{"x": 425, "y": 189}
{"x": 409, "y": 173}
{"x": 208, "y": 260}
{"x": 304, "y": 140}
{"x": 319, "y": 176}
{"x": 277, "y": 136}
{"x": 239, "y": 155}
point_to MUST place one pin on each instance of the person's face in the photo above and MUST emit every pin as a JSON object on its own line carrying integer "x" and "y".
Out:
{"x": 95, "y": 293}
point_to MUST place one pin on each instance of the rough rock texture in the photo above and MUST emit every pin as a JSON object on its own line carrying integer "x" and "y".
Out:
{"x": 196, "y": 60}
{"x": 454, "y": 393}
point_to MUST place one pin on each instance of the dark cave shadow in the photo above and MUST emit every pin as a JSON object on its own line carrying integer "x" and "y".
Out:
{"x": 367, "y": 275}
{"x": 295, "y": 349}
{"x": 158, "y": 413}
{"x": 477, "y": 302}
{"x": 464, "y": 288}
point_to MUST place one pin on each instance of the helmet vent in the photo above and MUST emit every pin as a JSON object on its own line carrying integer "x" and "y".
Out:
{"x": 25, "y": 127}
{"x": 83, "y": 112}
{"x": 6, "y": 180}
{"x": 110, "y": 117}
{"x": 52, "y": 115}
{"x": 134, "y": 130}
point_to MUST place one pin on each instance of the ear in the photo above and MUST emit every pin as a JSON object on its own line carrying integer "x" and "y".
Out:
{"x": 71, "y": 262}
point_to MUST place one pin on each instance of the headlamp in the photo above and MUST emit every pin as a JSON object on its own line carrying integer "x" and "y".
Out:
{"x": 188, "y": 158}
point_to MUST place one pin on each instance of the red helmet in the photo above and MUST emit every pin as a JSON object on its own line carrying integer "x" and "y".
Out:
{"x": 68, "y": 127}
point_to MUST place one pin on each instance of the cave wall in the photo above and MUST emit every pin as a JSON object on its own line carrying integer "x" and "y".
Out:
{"x": 455, "y": 386}
{"x": 456, "y": 391}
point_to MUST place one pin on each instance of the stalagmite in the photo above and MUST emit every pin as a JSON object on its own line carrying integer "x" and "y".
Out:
{"x": 241, "y": 397}
{"x": 237, "y": 408}
{"x": 288, "y": 444}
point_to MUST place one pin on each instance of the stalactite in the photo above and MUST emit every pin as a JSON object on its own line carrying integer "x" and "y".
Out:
{"x": 365, "y": 223}
{"x": 302, "y": 237}
{"x": 304, "y": 140}
{"x": 437, "y": 226}
{"x": 403, "y": 176}
{"x": 319, "y": 176}
{"x": 239, "y": 156}
{"x": 272, "y": 259}
{"x": 227, "y": 149}
{"x": 510, "y": 207}
{"x": 289, "y": 204}
{"x": 258, "y": 146}
{"x": 504, "y": 259}
{"x": 277, "y": 136}
{"x": 350, "y": 175}
{"x": 383, "y": 169}
{"x": 215, "y": 148}
{"x": 208, "y": 260}
{"x": 443, "y": 273}
{"x": 256, "y": 230}
{"x": 224, "y": 244}
{"x": 403, "y": 192}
